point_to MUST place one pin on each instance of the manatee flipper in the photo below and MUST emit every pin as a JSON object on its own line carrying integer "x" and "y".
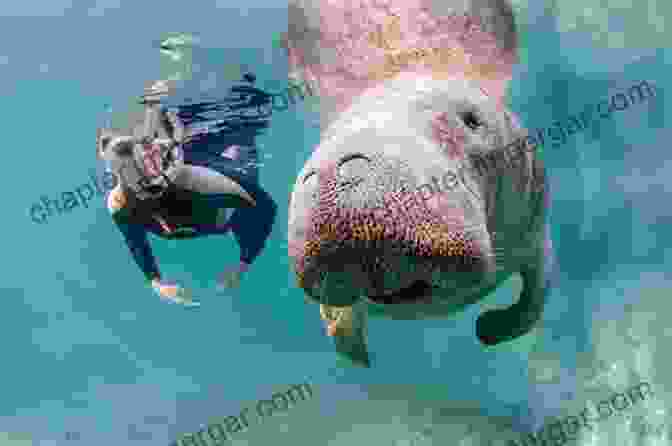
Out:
{"x": 350, "y": 342}
{"x": 208, "y": 181}
{"x": 496, "y": 326}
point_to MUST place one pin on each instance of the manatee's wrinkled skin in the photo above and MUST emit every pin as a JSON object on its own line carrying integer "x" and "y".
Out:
{"x": 366, "y": 230}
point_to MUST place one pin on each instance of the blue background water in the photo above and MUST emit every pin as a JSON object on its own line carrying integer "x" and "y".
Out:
{"x": 89, "y": 349}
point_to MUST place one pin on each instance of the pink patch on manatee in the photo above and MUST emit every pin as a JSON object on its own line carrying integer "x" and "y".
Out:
{"x": 447, "y": 134}
{"x": 446, "y": 208}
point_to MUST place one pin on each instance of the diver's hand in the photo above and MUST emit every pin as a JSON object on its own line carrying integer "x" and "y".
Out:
{"x": 173, "y": 292}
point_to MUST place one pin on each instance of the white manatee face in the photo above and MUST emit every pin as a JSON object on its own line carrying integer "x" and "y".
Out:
{"x": 389, "y": 206}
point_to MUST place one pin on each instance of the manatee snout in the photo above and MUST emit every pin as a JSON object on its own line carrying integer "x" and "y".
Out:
{"x": 369, "y": 231}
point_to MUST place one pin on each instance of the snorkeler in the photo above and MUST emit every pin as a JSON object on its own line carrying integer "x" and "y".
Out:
{"x": 179, "y": 181}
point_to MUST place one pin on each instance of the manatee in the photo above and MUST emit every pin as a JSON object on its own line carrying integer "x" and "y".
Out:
{"x": 394, "y": 215}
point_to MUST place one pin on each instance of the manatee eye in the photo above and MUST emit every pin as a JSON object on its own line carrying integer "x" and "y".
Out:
{"x": 471, "y": 120}
{"x": 352, "y": 156}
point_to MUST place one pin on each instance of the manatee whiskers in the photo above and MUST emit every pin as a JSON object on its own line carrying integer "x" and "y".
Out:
{"x": 426, "y": 239}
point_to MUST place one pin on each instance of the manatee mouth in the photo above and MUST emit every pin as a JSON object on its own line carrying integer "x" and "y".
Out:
{"x": 416, "y": 291}
{"x": 396, "y": 251}
{"x": 339, "y": 282}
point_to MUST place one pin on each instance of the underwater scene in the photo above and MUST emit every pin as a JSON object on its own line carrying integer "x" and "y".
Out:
{"x": 336, "y": 222}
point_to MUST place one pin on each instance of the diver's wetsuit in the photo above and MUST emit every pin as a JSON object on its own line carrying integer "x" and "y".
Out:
{"x": 184, "y": 208}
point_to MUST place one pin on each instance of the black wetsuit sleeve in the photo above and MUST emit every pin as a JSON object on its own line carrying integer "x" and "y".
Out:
{"x": 137, "y": 241}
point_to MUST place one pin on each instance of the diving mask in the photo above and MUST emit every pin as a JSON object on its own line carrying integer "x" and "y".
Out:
{"x": 153, "y": 167}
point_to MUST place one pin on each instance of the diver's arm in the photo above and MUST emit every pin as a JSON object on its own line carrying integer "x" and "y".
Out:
{"x": 172, "y": 123}
{"x": 136, "y": 239}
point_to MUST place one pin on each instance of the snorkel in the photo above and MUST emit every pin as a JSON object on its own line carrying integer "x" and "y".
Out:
{"x": 146, "y": 164}
{"x": 145, "y": 167}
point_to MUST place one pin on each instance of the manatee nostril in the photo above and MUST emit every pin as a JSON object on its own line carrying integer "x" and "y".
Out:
{"x": 471, "y": 120}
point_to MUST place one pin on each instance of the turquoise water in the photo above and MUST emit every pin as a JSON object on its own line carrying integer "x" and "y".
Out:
{"x": 90, "y": 350}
